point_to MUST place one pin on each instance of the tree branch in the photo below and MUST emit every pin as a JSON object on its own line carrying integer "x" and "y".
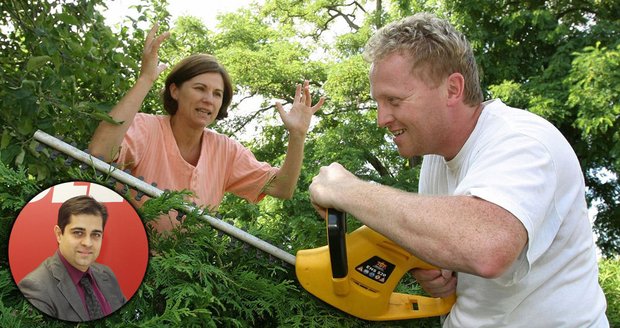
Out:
{"x": 377, "y": 165}
{"x": 346, "y": 17}
{"x": 247, "y": 119}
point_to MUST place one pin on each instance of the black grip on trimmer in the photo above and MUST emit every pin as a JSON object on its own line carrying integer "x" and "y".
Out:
{"x": 336, "y": 232}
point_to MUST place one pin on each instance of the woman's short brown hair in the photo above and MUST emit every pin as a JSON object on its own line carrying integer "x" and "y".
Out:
{"x": 190, "y": 67}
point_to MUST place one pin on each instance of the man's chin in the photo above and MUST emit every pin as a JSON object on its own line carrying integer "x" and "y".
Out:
{"x": 85, "y": 264}
{"x": 404, "y": 153}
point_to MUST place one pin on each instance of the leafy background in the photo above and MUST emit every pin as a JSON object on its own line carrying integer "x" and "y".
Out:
{"x": 62, "y": 69}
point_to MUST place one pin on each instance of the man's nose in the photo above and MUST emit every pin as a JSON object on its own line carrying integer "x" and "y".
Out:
{"x": 87, "y": 241}
{"x": 384, "y": 116}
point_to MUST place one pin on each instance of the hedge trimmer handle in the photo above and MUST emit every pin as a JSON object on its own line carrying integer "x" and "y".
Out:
{"x": 336, "y": 233}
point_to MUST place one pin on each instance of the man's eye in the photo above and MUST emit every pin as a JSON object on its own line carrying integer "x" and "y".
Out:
{"x": 77, "y": 233}
{"x": 393, "y": 101}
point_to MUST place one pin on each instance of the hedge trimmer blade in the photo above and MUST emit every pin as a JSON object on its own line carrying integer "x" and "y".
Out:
{"x": 151, "y": 190}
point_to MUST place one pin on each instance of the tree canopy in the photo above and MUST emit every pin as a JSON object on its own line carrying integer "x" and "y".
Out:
{"x": 63, "y": 68}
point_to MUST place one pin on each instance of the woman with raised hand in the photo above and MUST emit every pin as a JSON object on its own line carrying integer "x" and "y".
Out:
{"x": 178, "y": 151}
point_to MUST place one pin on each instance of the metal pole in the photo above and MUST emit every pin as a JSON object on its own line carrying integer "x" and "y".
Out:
{"x": 152, "y": 191}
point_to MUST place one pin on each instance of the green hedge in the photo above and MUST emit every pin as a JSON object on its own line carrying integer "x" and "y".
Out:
{"x": 609, "y": 278}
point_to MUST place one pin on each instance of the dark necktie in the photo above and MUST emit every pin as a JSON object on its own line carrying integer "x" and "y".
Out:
{"x": 92, "y": 303}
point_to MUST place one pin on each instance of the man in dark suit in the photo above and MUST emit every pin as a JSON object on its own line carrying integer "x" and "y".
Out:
{"x": 69, "y": 285}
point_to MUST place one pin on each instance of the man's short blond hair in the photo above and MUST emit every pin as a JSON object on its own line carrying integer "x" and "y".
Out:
{"x": 436, "y": 50}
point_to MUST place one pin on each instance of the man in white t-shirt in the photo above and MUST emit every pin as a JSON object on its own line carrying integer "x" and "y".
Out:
{"x": 501, "y": 204}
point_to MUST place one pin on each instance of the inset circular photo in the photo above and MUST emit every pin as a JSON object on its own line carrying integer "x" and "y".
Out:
{"x": 78, "y": 251}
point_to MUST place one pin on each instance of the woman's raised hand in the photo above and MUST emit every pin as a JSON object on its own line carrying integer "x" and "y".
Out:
{"x": 297, "y": 119}
{"x": 151, "y": 68}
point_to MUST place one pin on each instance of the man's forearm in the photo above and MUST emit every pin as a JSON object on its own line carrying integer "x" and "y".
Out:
{"x": 450, "y": 232}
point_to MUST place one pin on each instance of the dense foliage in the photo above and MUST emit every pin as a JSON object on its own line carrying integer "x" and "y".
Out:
{"x": 62, "y": 68}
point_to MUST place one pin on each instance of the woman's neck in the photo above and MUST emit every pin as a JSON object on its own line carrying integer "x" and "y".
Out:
{"x": 188, "y": 140}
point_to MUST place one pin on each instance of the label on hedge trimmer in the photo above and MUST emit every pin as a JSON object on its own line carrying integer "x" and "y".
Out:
{"x": 376, "y": 269}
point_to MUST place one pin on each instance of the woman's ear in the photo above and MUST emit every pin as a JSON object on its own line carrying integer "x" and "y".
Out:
{"x": 174, "y": 91}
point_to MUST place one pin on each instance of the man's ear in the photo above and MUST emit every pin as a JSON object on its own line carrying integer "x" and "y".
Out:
{"x": 58, "y": 233}
{"x": 456, "y": 88}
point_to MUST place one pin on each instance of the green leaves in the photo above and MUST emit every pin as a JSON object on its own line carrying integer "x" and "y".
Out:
{"x": 36, "y": 62}
{"x": 347, "y": 83}
{"x": 594, "y": 83}
{"x": 609, "y": 278}
{"x": 6, "y": 138}
{"x": 105, "y": 117}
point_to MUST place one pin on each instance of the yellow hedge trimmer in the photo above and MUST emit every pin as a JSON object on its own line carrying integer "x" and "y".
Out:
{"x": 356, "y": 272}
